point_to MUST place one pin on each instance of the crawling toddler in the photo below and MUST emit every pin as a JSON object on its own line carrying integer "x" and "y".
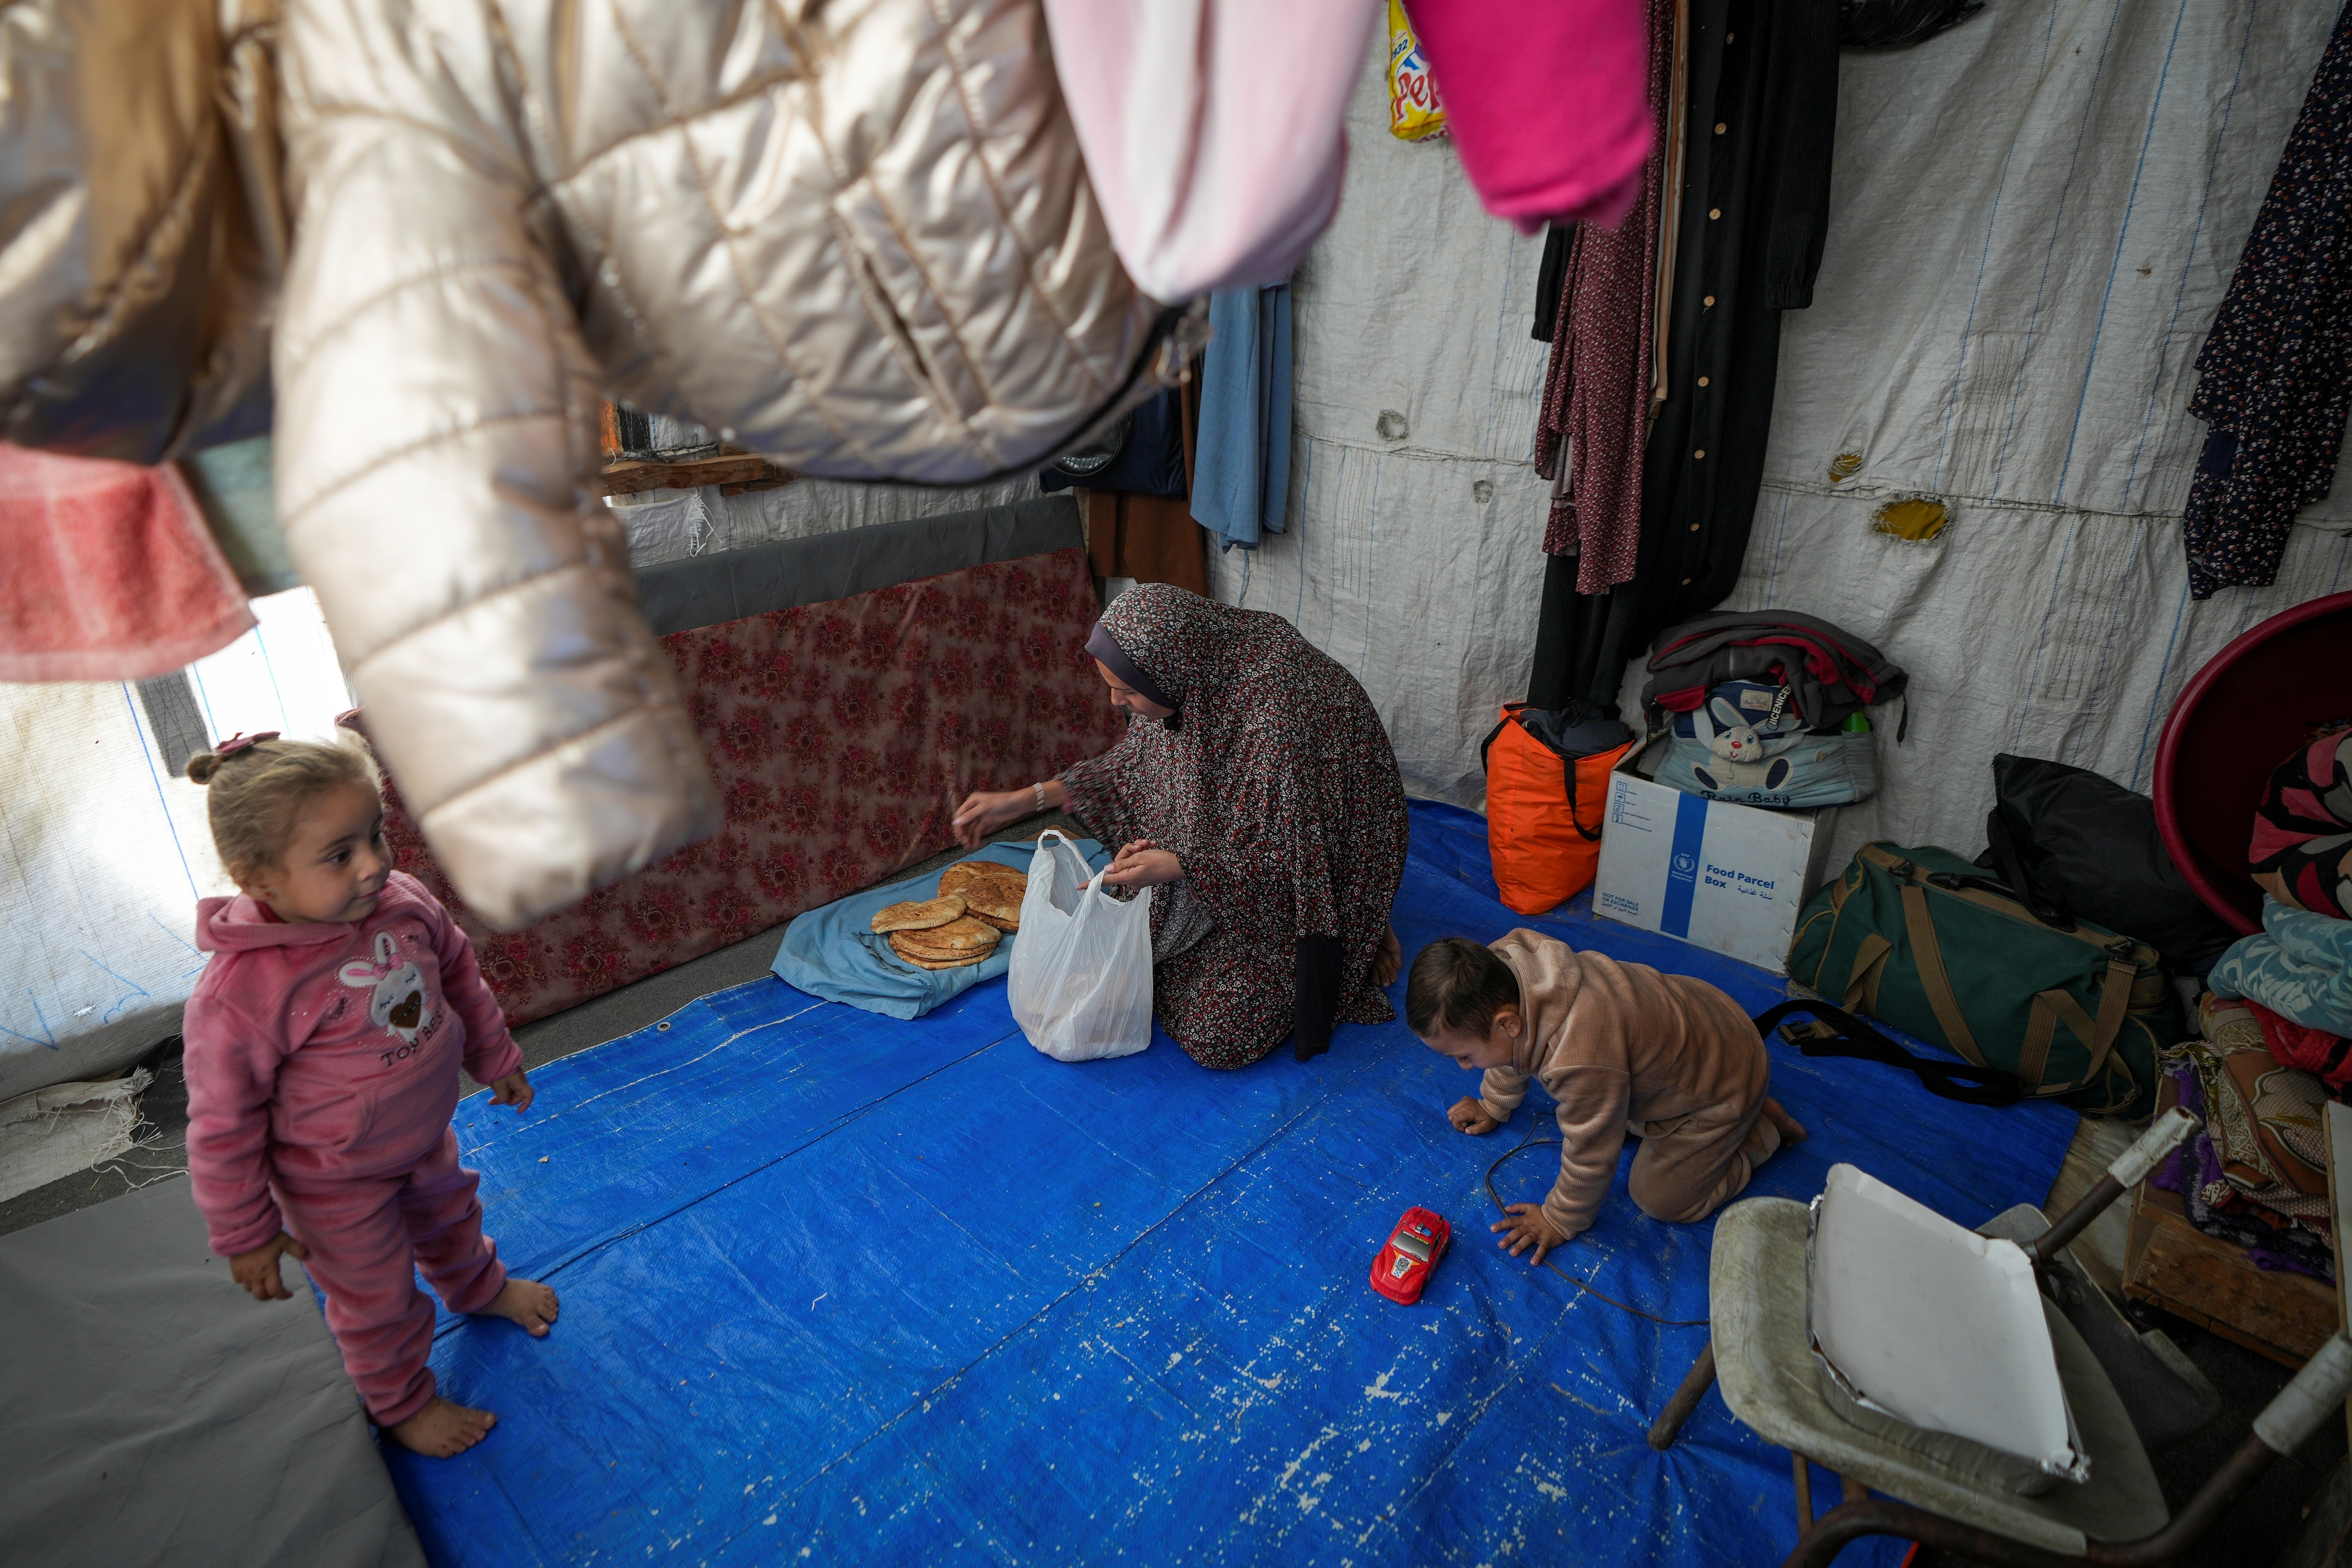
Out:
{"x": 322, "y": 1045}
{"x": 1624, "y": 1049}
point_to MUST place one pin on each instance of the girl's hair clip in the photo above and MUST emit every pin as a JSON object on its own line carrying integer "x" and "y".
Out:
{"x": 240, "y": 741}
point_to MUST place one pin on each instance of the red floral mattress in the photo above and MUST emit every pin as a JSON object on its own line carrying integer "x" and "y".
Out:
{"x": 842, "y": 735}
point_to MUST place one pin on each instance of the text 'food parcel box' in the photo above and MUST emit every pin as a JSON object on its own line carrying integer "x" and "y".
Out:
{"x": 1729, "y": 878}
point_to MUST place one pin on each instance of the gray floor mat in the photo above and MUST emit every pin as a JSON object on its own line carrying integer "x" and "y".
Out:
{"x": 156, "y": 1413}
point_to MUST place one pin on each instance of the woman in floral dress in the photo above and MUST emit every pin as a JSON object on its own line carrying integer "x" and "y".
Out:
{"x": 1257, "y": 797}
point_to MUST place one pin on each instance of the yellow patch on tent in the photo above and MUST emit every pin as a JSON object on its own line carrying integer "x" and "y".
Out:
{"x": 1845, "y": 466}
{"x": 1916, "y": 519}
{"x": 919, "y": 914}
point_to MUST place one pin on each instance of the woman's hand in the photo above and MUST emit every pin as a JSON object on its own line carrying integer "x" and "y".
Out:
{"x": 1142, "y": 864}
{"x": 984, "y": 812}
{"x": 513, "y": 1090}
{"x": 1528, "y": 1227}
{"x": 257, "y": 1270}
{"x": 1469, "y": 1116}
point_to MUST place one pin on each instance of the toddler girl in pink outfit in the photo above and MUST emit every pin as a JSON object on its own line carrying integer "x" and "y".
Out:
{"x": 322, "y": 1046}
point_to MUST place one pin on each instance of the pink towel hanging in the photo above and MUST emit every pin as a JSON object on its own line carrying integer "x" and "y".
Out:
{"x": 107, "y": 572}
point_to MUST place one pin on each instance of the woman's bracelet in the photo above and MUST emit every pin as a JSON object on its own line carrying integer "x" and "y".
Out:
{"x": 1040, "y": 788}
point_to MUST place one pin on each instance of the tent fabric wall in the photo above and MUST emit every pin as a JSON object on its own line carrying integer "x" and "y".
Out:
{"x": 2032, "y": 223}
{"x": 1414, "y": 550}
{"x": 103, "y": 853}
{"x": 2034, "y": 218}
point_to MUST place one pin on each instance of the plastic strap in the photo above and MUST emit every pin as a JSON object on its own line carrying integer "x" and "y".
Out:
{"x": 2041, "y": 1030}
{"x": 1838, "y": 1033}
{"x": 1568, "y": 767}
{"x": 2113, "y": 1005}
{"x": 1510, "y": 709}
{"x": 1094, "y": 883}
{"x": 1869, "y": 970}
{"x": 1567, "y": 764}
{"x": 2052, "y": 1008}
{"x": 1920, "y": 924}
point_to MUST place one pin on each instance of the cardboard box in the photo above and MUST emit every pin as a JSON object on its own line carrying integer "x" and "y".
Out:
{"x": 1730, "y": 878}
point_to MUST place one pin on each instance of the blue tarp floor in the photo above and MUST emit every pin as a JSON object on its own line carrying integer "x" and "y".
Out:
{"x": 838, "y": 1287}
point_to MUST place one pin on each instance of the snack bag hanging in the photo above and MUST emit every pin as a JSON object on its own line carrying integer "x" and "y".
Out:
{"x": 1415, "y": 112}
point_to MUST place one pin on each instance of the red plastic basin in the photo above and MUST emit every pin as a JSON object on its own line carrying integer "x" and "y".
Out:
{"x": 2251, "y": 705}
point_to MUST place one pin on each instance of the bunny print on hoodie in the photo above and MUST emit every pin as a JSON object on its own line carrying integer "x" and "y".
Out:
{"x": 395, "y": 987}
{"x": 323, "y": 1065}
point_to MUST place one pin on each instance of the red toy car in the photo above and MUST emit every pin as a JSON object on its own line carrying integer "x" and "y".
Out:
{"x": 1413, "y": 1248}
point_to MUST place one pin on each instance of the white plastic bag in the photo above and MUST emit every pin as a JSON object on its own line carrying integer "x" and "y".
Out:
{"x": 1081, "y": 974}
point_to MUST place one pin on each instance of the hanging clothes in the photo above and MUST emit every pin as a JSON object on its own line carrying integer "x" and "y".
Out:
{"x": 2275, "y": 380}
{"x": 1551, "y": 277}
{"x": 1581, "y": 642}
{"x": 1151, "y": 461}
{"x": 1670, "y": 210}
{"x": 1547, "y": 105}
{"x": 1152, "y": 539}
{"x": 1241, "y": 479}
{"x": 1762, "y": 93}
{"x": 1597, "y": 390}
{"x": 108, "y": 571}
{"x": 1138, "y": 522}
{"x": 1212, "y": 129}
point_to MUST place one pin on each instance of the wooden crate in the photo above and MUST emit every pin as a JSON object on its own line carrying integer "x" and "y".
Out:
{"x": 2171, "y": 1263}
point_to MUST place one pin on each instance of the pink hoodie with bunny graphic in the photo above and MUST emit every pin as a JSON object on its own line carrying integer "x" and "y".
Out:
{"x": 316, "y": 1052}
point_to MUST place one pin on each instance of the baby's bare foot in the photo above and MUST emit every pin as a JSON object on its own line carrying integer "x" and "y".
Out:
{"x": 441, "y": 1429}
{"x": 526, "y": 1303}
{"x": 1792, "y": 1131}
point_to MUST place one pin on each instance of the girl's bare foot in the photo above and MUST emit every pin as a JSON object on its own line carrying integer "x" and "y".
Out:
{"x": 441, "y": 1429}
{"x": 1388, "y": 959}
{"x": 531, "y": 1304}
{"x": 1792, "y": 1131}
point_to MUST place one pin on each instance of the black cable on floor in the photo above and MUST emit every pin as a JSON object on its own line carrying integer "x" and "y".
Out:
{"x": 1532, "y": 1141}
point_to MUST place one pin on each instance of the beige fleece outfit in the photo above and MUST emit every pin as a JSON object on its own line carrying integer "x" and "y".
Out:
{"x": 1625, "y": 1049}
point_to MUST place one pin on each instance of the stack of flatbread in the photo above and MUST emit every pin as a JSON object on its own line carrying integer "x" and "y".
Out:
{"x": 990, "y": 892}
{"x": 936, "y": 933}
{"x": 979, "y": 901}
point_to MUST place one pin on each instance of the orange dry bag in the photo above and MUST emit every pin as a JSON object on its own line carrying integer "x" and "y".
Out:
{"x": 1543, "y": 814}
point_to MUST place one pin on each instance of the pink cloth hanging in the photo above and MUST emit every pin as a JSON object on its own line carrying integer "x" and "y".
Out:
{"x": 107, "y": 572}
{"x": 1547, "y": 104}
{"x": 1212, "y": 130}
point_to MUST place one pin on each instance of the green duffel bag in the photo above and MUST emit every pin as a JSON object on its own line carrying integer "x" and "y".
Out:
{"x": 1924, "y": 941}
